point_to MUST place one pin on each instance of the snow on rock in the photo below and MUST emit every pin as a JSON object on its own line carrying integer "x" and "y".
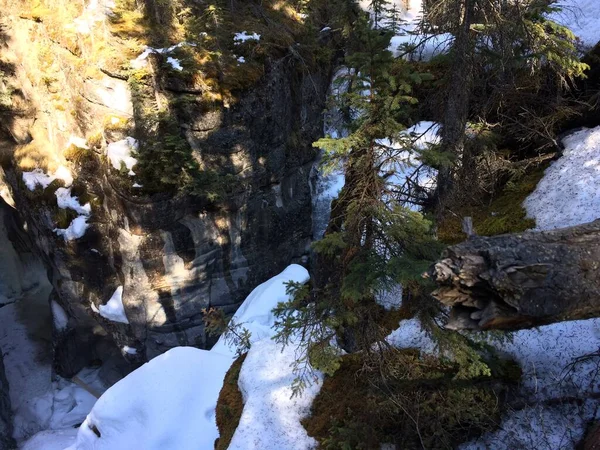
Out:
{"x": 59, "y": 316}
{"x": 142, "y": 60}
{"x": 242, "y": 37}
{"x": 255, "y": 313}
{"x": 38, "y": 177}
{"x": 168, "y": 403}
{"x": 78, "y": 142}
{"x": 174, "y": 63}
{"x": 271, "y": 418}
{"x": 582, "y": 17}
{"x": 113, "y": 310}
{"x": 410, "y": 334}
{"x": 65, "y": 200}
{"x": 120, "y": 152}
{"x": 129, "y": 350}
{"x": 75, "y": 230}
{"x": 568, "y": 193}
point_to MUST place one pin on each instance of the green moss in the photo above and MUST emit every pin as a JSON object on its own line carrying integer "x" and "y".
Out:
{"x": 359, "y": 409}
{"x": 504, "y": 214}
{"x": 229, "y": 405}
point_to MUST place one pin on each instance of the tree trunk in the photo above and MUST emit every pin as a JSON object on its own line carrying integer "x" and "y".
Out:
{"x": 521, "y": 280}
{"x": 457, "y": 104}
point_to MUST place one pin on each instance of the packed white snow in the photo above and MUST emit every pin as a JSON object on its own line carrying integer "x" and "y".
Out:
{"x": 569, "y": 192}
{"x": 120, "y": 152}
{"x": 242, "y": 37}
{"x": 168, "y": 403}
{"x": 52, "y": 440}
{"x": 38, "y": 177}
{"x": 75, "y": 230}
{"x": 271, "y": 417}
{"x": 113, "y": 310}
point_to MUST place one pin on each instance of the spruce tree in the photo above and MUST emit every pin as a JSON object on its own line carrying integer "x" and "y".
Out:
{"x": 371, "y": 237}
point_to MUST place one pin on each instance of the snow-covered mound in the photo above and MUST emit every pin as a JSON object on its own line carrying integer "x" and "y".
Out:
{"x": 168, "y": 403}
{"x": 569, "y": 193}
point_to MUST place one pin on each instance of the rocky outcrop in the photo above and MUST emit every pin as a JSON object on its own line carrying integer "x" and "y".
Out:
{"x": 521, "y": 280}
{"x": 174, "y": 254}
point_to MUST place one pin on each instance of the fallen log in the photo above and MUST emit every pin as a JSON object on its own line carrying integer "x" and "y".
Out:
{"x": 522, "y": 280}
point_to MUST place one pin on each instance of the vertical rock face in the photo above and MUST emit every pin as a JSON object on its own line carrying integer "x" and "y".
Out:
{"x": 5, "y": 412}
{"x": 173, "y": 254}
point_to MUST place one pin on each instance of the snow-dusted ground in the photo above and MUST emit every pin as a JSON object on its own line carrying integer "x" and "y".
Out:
{"x": 582, "y": 17}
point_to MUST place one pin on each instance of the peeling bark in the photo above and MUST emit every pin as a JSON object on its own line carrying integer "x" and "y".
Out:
{"x": 523, "y": 280}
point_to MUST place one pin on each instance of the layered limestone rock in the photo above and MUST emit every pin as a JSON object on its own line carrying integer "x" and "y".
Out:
{"x": 170, "y": 254}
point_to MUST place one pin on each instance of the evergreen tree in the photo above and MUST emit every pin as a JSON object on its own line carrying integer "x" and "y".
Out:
{"x": 515, "y": 50}
{"x": 372, "y": 241}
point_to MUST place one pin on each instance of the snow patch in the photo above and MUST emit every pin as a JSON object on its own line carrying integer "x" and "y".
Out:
{"x": 75, "y": 230}
{"x": 120, "y": 152}
{"x": 38, "y": 177}
{"x": 78, "y": 142}
{"x": 142, "y": 60}
{"x": 65, "y": 200}
{"x": 129, "y": 350}
{"x": 271, "y": 418}
{"x": 174, "y": 63}
{"x": 242, "y": 37}
{"x": 568, "y": 193}
{"x": 113, "y": 310}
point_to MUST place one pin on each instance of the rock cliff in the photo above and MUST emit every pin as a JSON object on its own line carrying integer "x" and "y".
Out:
{"x": 173, "y": 249}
